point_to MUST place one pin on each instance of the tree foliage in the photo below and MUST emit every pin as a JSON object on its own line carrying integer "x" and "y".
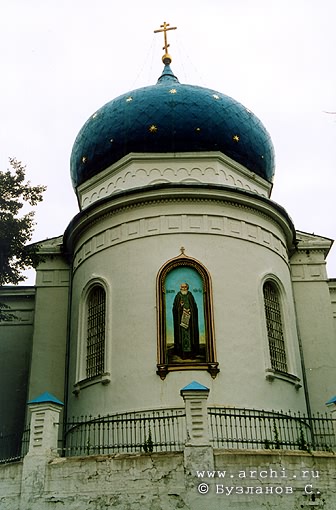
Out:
{"x": 16, "y": 227}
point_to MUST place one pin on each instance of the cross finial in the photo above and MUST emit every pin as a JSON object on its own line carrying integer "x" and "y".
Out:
{"x": 166, "y": 59}
{"x": 182, "y": 250}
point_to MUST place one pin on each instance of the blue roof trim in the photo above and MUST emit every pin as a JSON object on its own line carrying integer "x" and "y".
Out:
{"x": 332, "y": 400}
{"x": 194, "y": 385}
{"x": 44, "y": 398}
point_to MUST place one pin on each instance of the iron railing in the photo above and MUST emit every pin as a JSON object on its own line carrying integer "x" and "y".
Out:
{"x": 147, "y": 431}
{"x": 13, "y": 447}
{"x": 250, "y": 428}
{"x": 164, "y": 430}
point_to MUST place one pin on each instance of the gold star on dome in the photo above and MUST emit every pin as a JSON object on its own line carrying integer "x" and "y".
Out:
{"x": 129, "y": 99}
{"x": 172, "y": 91}
{"x": 198, "y": 130}
{"x": 215, "y": 96}
{"x": 153, "y": 128}
{"x": 84, "y": 159}
{"x": 235, "y": 138}
{"x": 94, "y": 115}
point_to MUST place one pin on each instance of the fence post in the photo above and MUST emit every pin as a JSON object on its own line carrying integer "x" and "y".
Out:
{"x": 45, "y": 411}
{"x": 331, "y": 404}
{"x": 195, "y": 397}
{"x": 198, "y": 453}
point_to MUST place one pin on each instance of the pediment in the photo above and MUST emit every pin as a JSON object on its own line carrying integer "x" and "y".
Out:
{"x": 307, "y": 241}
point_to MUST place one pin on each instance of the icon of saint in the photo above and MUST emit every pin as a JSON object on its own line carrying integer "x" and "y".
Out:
{"x": 186, "y": 331}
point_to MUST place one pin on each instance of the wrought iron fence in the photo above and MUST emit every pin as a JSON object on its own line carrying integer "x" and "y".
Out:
{"x": 147, "y": 431}
{"x": 13, "y": 447}
{"x": 165, "y": 430}
{"x": 250, "y": 428}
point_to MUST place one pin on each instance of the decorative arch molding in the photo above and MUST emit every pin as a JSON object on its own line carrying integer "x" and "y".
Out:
{"x": 185, "y": 326}
{"x": 95, "y": 280}
{"x": 273, "y": 278}
{"x": 137, "y": 169}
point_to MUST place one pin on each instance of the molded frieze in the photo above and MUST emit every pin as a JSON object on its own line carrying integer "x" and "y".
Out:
{"x": 53, "y": 277}
{"x": 307, "y": 272}
{"x": 332, "y": 290}
{"x": 306, "y": 267}
{"x": 21, "y": 317}
{"x": 134, "y": 174}
{"x": 186, "y": 223}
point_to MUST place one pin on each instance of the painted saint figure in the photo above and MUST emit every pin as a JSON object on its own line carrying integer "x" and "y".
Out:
{"x": 186, "y": 332}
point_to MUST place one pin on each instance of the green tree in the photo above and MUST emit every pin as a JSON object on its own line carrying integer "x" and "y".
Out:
{"x": 16, "y": 227}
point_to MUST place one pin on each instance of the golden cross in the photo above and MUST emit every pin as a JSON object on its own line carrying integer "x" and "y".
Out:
{"x": 164, "y": 28}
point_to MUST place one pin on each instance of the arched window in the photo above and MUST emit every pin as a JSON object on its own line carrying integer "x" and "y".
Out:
{"x": 94, "y": 336}
{"x": 275, "y": 331}
{"x": 95, "y": 331}
{"x": 185, "y": 319}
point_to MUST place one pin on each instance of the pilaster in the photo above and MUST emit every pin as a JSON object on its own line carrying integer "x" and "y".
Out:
{"x": 198, "y": 453}
{"x": 44, "y": 422}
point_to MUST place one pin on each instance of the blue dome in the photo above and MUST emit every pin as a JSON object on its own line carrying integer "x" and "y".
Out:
{"x": 171, "y": 117}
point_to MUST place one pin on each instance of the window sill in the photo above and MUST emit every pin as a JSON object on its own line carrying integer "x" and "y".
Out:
{"x": 211, "y": 367}
{"x": 283, "y": 376}
{"x": 84, "y": 383}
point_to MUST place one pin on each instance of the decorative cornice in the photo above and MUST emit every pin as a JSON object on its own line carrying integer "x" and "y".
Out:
{"x": 332, "y": 285}
{"x": 15, "y": 291}
{"x": 165, "y": 193}
{"x": 52, "y": 246}
{"x": 180, "y": 200}
{"x": 149, "y": 226}
{"x": 314, "y": 243}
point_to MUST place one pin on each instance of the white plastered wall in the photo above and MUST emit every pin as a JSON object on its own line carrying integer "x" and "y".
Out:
{"x": 314, "y": 308}
{"x": 238, "y": 245}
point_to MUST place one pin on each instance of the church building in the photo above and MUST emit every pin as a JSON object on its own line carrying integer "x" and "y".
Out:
{"x": 178, "y": 269}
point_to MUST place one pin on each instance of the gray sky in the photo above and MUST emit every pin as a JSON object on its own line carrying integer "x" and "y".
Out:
{"x": 63, "y": 60}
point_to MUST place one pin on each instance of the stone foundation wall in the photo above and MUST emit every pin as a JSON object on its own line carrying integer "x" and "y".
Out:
{"x": 10, "y": 486}
{"x": 192, "y": 480}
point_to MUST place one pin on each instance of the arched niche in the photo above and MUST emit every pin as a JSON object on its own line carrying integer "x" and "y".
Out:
{"x": 186, "y": 339}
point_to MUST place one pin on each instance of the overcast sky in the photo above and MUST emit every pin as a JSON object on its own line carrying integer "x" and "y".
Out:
{"x": 62, "y": 60}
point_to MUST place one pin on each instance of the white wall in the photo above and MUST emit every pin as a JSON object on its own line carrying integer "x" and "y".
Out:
{"x": 240, "y": 240}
